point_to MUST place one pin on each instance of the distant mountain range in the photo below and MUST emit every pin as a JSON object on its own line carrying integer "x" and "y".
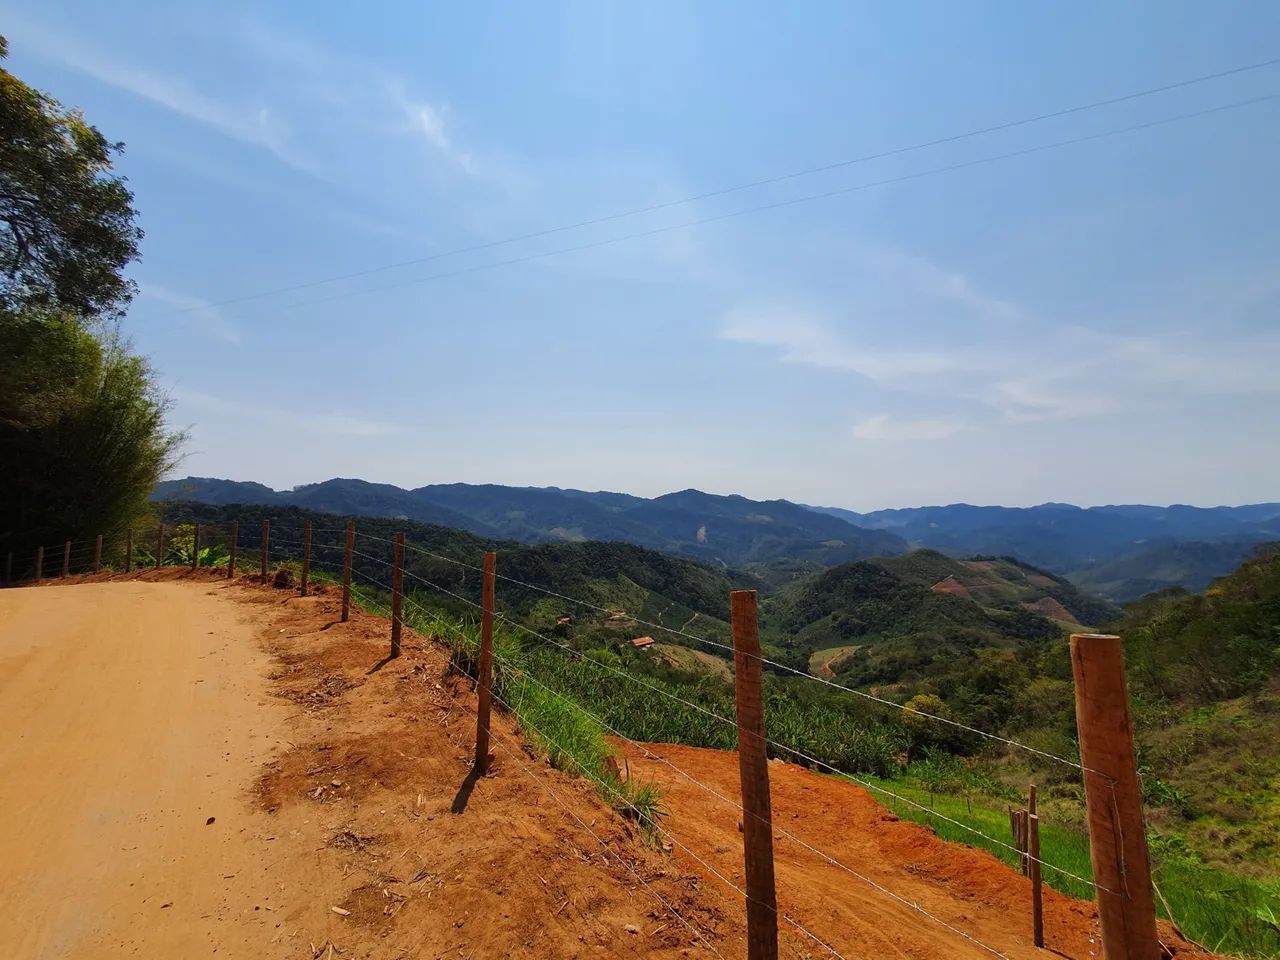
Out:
{"x": 1119, "y": 551}
{"x": 728, "y": 531}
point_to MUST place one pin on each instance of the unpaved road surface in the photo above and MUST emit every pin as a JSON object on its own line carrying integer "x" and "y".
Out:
{"x": 132, "y": 713}
{"x": 344, "y": 821}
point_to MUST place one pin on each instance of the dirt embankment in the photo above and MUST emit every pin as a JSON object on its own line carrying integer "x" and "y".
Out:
{"x": 342, "y": 814}
{"x": 198, "y": 765}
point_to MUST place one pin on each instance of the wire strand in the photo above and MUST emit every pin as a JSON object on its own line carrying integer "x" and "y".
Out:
{"x": 747, "y": 185}
{"x": 772, "y": 663}
{"x": 831, "y": 860}
{"x": 603, "y": 844}
{"x": 789, "y": 202}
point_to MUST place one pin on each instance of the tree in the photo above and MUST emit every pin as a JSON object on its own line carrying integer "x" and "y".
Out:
{"x": 82, "y": 438}
{"x": 67, "y": 226}
{"x": 82, "y": 433}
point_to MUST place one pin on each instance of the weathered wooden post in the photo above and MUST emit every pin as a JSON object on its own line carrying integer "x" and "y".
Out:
{"x": 128, "y": 550}
{"x": 484, "y": 678}
{"x": 39, "y": 564}
{"x": 235, "y": 539}
{"x": 66, "y": 558}
{"x": 753, "y": 769}
{"x": 346, "y": 570}
{"x": 266, "y": 547}
{"x": 1113, "y": 800}
{"x": 195, "y": 546}
{"x": 97, "y": 554}
{"x": 306, "y": 557}
{"x": 160, "y": 547}
{"x": 1037, "y": 893}
{"x": 397, "y": 585}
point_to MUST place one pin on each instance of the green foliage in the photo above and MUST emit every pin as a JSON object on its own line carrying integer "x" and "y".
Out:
{"x": 179, "y": 546}
{"x": 82, "y": 432}
{"x": 1199, "y": 648}
{"x": 66, "y": 222}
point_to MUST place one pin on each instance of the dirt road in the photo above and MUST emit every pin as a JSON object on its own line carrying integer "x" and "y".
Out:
{"x": 343, "y": 820}
{"x": 133, "y": 713}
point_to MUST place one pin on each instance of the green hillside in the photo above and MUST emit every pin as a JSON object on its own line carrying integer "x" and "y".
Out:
{"x": 645, "y": 584}
{"x": 1192, "y": 566}
{"x": 923, "y": 618}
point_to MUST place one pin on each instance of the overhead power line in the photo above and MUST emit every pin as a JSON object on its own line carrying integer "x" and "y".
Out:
{"x": 747, "y": 185}
{"x": 792, "y": 201}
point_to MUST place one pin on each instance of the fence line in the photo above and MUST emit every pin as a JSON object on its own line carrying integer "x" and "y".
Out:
{"x": 675, "y": 913}
{"x": 710, "y": 790}
{"x": 772, "y": 663}
{"x": 507, "y": 666}
{"x": 867, "y": 785}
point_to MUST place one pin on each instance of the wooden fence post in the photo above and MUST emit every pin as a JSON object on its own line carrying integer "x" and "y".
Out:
{"x": 235, "y": 538}
{"x": 753, "y": 770}
{"x": 1037, "y": 894}
{"x": 66, "y": 558}
{"x": 266, "y": 547}
{"x": 397, "y": 585}
{"x": 1023, "y": 827}
{"x": 128, "y": 551}
{"x": 97, "y": 554}
{"x": 39, "y": 564}
{"x": 1113, "y": 800}
{"x": 346, "y": 570}
{"x": 485, "y": 674}
{"x": 195, "y": 546}
{"x": 160, "y": 547}
{"x": 306, "y": 557}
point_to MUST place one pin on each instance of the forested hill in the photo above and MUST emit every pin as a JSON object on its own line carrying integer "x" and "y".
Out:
{"x": 729, "y": 531}
{"x": 900, "y": 619}
{"x": 1072, "y": 540}
{"x": 645, "y": 583}
{"x": 1204, "y": 674}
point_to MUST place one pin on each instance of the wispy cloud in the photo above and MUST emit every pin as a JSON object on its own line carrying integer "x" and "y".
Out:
{"x": 254, "y": 124}
{"x": 800, "y": 337}
{"x": 882, "y": 426}
{"x": 1034, "y": 371}
{"x": 334, "y": 424}
{"x": 201, "y": 313}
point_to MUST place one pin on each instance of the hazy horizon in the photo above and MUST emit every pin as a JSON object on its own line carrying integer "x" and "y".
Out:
{"x": 528, "y": 486}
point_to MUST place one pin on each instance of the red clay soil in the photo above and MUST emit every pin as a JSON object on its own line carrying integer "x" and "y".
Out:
{"x": 951, "y": 585}
{"x": 1054, "y": 610}
{"x": 966, "y": 889}
{"x": 371, "y": 810}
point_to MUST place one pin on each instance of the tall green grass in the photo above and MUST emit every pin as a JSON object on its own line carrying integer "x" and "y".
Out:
{"x": 1222, "y": 911}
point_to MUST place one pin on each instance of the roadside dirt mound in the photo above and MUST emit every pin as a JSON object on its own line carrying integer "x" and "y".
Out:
{"x": 967, "y": 889}
{"x": 424, "y": 859}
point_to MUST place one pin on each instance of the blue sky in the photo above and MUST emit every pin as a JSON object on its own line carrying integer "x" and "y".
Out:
{"x": 1094, "y": 323}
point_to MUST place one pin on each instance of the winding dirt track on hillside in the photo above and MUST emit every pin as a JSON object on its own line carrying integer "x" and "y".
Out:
{"x": 135, "y": 710}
